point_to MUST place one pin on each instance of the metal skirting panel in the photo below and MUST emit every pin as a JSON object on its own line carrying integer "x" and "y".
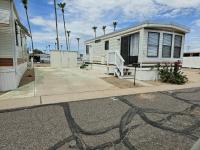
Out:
{"x": 10, "y": 77}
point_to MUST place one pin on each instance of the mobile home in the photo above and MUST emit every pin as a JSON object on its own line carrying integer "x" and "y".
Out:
{"x": 141, "y": 44}
{"x": 13, "y": 51}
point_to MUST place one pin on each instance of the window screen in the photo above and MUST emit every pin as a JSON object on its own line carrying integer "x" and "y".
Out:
{"x": 153, "y": 44}
{"x": 87, "y": 49}
{"x": 134, "y": 44}
{"x": 16, "y": 33}
{"x": 106, "y": 45}
{"x": 167, "y": 45}
{"x": 21, "y": 38}
{"x": 177, "y": 46}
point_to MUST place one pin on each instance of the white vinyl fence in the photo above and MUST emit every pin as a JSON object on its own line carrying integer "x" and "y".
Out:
{"x": 191, "y": 62}
{"x": 63, "y": 59}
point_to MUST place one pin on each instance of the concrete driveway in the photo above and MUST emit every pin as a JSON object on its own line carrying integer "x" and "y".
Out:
{"x": 61, "y": 81}
{"x": 50, "y": 81}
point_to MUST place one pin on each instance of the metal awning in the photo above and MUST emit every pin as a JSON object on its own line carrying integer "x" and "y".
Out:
{"x": 23, "y": 28}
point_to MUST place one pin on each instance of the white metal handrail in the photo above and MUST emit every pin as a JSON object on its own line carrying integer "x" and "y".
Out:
{"x": 116, "y": 59}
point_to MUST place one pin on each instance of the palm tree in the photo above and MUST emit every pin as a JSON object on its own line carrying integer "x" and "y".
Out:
{"x": 62, "y": 7}
{"x": 68, "y": 34}
{"x": 95, "y": 31}
{"x": 25, "y": 3}
{"x": 78, "y": 40}
{"x": 57, "y": 39}
{"x": 115, "y": 25}
{"x": 104, "y": 29}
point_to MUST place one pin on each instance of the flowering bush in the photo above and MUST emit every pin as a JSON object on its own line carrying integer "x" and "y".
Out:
{"x": 169, "y": 74}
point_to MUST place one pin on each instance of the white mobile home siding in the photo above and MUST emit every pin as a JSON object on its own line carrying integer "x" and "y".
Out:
{"x": 98, "y": 52}
{"x": 4, "y": 11}
{"x": 10, "y": 73}
{"x": 5, "y": 32}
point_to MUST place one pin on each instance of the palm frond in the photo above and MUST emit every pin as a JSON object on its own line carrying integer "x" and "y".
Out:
{"x": 114, "y": 23}
{"x": 62, "y": 5}
{"x": 104, "y": 27}
{"x": 25, "y": 3}
{"x": 94, "y": 28}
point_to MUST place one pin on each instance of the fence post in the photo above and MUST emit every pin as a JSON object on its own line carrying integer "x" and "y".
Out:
{"x": 134, "y": 75}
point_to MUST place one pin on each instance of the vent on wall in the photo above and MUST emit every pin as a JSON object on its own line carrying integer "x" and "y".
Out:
{"x": 97, "y": 41}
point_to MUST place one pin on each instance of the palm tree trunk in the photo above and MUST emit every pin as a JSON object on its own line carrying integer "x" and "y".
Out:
{"x": 65, "y": 31}
{"x": 29, "y": 26}
{"x": 57, "y": 39}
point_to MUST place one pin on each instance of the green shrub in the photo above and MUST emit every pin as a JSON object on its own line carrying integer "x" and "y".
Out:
{"x": 169, "y": 74}
{"x": 83, "y": 66}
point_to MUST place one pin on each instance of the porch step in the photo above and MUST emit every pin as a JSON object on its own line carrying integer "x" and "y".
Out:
{"x": 117, "y": 73}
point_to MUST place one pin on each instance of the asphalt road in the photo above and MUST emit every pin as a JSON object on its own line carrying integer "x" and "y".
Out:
{"x": 156, "y": 121}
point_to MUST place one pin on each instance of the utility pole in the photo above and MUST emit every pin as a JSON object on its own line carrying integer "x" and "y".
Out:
{"x": 78, "y": 40}
{"x": 55, "y": 45}
{"x": 57, "y": 39}
{"x": 68, "y": 34}
{"x": 49, "y": 47}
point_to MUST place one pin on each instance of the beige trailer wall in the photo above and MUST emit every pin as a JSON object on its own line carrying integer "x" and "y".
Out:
{"x": 62, "y": 59}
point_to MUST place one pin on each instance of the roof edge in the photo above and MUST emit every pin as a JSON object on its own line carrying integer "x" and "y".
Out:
{"x": 185, "y": 29}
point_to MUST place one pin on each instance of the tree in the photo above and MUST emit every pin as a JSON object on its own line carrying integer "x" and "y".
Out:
{"x": 114, "y": 25}
{"x": 104, "y": 29}
{"x": 68, "y": 34}
{"x": 25, "y": 3}
{"x": 56, "y": 18}
{"x": 37, "y": 51}
{"x": 62, "y": 7}
{"x": 95, "y": 31}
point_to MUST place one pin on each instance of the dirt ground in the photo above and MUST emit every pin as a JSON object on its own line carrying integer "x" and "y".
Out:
{"x": 192, "y": 74}
{"x": 29, "y": 76}
{"x": 120, "y": 83}
{"x": 41, "y": 65}
{"x": 1, "y": 93}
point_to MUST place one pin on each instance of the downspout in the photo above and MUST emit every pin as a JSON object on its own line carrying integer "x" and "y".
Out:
{"x": 13, "y": 37}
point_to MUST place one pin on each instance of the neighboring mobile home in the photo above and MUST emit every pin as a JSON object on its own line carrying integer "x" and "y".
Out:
{"x": 144, "y": 43}
{"x": 191, "y": 59}
{"x": 13, "y": 51}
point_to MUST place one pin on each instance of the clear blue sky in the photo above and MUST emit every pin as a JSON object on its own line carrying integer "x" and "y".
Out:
{"x": 81, "y": 15}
